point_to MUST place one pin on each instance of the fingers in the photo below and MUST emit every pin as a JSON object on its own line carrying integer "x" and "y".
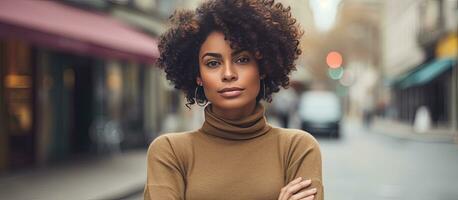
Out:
{"x": 295, "y": 186}
{"x": 283, "y": 190}
{"x": 305, "y": 195}
{"x": 294, "y": 182}
{"x": 309, "y": 198}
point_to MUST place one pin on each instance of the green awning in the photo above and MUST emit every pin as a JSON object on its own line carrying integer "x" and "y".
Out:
{"x": 425, "y": 73}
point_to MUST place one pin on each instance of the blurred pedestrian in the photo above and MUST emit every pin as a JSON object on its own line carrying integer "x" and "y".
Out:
{"x": 285, "y": 105}
{"x": 368, "y": 110}
{"x": 422, "y": 121}
{"x": 228, "y": 56}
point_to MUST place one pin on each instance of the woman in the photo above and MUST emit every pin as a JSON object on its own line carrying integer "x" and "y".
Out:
{"x": 230, "y": 55}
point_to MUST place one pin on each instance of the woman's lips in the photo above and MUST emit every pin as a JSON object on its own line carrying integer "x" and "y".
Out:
{"x": 230, "y": 92}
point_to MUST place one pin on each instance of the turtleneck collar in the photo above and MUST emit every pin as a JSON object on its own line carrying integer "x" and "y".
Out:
{"x": 251, "y": 126}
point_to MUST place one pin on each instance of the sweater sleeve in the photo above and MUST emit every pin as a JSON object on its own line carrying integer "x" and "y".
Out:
{"x": 305, "y": 162}
{"x": 164, "y": 176}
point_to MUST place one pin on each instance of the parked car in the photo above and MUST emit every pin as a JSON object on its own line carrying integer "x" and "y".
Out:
{"x": 320, "y": 113}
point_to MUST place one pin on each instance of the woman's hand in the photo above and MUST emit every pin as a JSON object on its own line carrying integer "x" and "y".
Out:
{"x": 290, "y": 191}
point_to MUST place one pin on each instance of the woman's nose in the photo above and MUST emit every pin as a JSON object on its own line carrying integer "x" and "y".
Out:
{"x": 229, "y": 73}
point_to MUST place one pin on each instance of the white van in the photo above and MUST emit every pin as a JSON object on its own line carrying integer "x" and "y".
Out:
{"x": 320, "y": 113}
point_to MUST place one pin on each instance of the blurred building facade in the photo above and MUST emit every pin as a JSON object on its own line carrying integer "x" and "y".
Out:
{"x": 420, "y": 61}
{"x": 79, "y": 78}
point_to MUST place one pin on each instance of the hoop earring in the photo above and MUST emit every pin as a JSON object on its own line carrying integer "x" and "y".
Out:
{"x": 196, "y": 99}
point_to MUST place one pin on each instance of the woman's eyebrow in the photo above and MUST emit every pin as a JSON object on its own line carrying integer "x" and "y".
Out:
{"x": 217, "y": 55}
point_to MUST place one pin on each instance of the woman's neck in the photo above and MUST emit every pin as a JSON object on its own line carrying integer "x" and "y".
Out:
{"x": 235, "y": 114}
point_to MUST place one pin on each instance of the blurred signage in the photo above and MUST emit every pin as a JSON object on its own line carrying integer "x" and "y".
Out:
{"x": 18, "y": 81}
{"x": 447, "y": 46}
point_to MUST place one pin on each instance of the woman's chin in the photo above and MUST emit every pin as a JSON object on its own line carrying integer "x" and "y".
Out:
{"x": 231, "y": 104}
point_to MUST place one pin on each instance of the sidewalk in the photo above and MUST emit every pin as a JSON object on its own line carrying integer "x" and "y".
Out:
{"x": 97, "y": 178}
{"x": 400, "y": 130}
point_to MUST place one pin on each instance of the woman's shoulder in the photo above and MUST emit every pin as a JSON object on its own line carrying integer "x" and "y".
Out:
{"x": 172, "y": 140}
{"x": 295, "y": 136}
{"x": 176, "y": 135}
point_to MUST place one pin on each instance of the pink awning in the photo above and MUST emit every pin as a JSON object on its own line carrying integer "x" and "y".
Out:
{"x": 56, "y": 25}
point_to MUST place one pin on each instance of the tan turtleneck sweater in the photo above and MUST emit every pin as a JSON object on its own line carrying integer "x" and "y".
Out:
{"x": 246, "y": 159}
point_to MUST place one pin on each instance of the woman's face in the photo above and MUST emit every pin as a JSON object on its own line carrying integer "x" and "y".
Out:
{"x": 230, "y": 77}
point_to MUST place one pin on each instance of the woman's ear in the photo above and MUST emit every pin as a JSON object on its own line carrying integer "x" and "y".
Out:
{"x": 199, "y": 81}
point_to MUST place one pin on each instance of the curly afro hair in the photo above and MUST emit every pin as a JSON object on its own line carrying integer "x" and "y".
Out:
{"x": 255, "y": 25}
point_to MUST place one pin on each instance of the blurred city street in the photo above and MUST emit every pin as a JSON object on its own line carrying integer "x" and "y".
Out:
{"x": 111, "y": 177}
{"x": 374, "y": 165}
{"x": 82, "y": 96}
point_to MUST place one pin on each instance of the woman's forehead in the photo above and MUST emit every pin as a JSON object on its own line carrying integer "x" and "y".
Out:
{"x": 215, "y": 43}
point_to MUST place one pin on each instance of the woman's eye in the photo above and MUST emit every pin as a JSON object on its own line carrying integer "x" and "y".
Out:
{"x": 243, "y": 60}
{"x": 212, "y": 63}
